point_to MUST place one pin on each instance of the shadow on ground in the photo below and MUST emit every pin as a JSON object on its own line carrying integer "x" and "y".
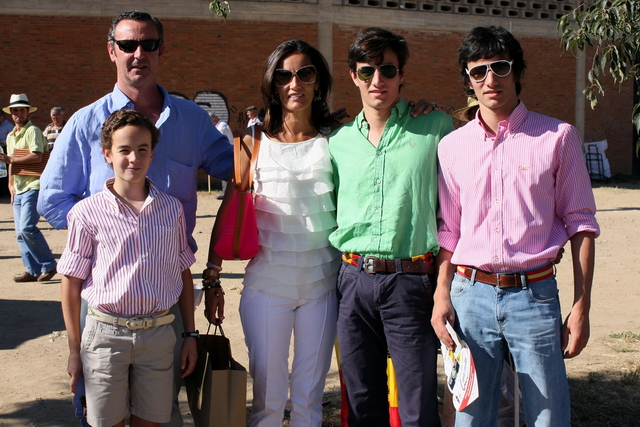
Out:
{"x": 42, "y": 413}
{"x": 42, "y": 318}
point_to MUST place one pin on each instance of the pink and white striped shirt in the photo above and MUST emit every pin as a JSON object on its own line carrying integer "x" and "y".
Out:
{"x": 510, "y": 201}
{"x": 131, "y": 264}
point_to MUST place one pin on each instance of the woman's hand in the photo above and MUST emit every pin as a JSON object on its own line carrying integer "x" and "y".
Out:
{"x": 214, "y": 305}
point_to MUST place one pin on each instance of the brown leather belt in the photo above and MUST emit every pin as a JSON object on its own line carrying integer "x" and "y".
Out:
{"x": 371, "y": 264}
{"x": 511, "y": 280}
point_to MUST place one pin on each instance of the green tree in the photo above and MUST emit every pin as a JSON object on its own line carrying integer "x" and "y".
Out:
{"x": 612, "y": 27}
{"x": 220, "y": 8}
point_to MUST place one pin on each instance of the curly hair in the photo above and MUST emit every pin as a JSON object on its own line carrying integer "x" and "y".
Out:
{"x": 122, "y": 118}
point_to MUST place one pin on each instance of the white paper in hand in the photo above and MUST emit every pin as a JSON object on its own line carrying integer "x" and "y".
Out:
{"x": 460, "y": 371}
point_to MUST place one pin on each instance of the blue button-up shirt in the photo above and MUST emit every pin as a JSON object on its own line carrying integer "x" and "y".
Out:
{"x": 188, "y": 142}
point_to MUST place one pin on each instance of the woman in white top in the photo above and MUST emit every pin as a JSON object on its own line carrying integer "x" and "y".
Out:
{"x": 289, "y": 286}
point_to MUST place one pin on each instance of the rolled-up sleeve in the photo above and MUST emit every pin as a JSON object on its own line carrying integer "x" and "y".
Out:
{"x": 77, "y": 258}
{"x": 575, "y": 203}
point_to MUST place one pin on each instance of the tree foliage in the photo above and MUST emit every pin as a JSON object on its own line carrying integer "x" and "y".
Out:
{"x": 220, "y": 8}
{"x": 612, "y": 27}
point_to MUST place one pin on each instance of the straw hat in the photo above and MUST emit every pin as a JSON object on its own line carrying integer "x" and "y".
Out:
{"x": 462, "y": 114}
{"x": 19, "y": 100}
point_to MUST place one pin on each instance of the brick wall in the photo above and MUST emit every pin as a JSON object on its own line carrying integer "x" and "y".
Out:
{"x": 62, "y": 61}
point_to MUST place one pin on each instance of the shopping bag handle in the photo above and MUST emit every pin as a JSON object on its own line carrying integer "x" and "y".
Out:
{"x": 215, "y": 330}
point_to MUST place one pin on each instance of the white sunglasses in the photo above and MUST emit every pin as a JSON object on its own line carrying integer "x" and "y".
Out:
{"x": 501, "y": 68}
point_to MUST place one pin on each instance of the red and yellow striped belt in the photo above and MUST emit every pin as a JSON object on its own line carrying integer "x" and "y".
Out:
{"x": 420, "y": 264}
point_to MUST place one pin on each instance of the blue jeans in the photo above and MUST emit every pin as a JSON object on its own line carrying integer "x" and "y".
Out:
{"x": 36, "y": 255}
{"x": 528, "y": 323}
{"x": 377, "y": 312}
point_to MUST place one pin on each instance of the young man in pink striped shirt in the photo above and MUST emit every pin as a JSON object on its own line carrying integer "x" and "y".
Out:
{"x": 513, "y": 190}
{"x": 127, "y": 255}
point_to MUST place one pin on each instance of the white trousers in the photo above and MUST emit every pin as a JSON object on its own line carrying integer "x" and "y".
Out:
{"x": 268, "y": 322}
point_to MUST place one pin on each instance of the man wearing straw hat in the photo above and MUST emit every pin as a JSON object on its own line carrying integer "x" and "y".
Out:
{"x": 36, "y": 255}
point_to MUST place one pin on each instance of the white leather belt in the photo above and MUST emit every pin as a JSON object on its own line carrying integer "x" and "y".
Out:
{"x": 133, "y": 323}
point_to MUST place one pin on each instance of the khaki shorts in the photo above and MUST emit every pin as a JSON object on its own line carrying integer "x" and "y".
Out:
{"x": 127, "y": 372}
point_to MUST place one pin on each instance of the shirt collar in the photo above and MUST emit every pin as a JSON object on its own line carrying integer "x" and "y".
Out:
{"x": 119, "y": 101}
{"x": 24, "y": 128}
{"x": 511, "y": 123}
{"x": 399, "y": 110}
{"x": 108, "y": 185}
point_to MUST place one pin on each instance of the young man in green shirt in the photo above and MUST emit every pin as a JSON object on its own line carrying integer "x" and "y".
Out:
{"x": 385, "y": 171}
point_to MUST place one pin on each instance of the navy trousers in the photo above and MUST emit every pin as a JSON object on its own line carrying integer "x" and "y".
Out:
{"x": 390, "y": 311}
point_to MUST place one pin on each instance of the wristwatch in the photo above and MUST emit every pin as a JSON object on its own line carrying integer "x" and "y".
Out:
{"x": 195, "y": 334}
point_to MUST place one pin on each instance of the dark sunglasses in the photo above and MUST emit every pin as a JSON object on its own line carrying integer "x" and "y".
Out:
{"x": 500, "y": 68}
{"x": 130, "y": 46}
{"x": 366, "y": 72}
{"x": 306, "y": 75}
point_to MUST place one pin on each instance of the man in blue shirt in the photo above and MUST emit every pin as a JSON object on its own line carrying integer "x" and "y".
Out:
{"x": 188, "y": 141}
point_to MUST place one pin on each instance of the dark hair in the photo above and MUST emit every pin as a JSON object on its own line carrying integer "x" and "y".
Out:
{"x": 134, "y": 15}
{"x": 370, "y": 44}
{"x": 487, "y": 42}
{"x": 122, "y": 118}
{"x": 319, "y": 108}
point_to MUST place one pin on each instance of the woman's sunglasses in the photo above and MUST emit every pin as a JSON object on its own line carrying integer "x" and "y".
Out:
{"x": 366, "y": 72}
{"x": 500, "y": 68}
{"x": 306, "y": 75}
{"x": 130, "y": 46}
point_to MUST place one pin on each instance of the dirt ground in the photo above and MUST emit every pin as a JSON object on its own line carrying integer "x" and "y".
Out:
{"x": 33, "y": 347}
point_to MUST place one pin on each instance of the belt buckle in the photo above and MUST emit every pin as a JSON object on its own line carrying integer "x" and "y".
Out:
{"x": 369, "y": 264}
{"x": 135, "y": 323}
{"x": 498, "y": 281}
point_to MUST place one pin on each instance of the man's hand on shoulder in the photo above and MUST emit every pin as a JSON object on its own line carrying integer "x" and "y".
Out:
{"x": 423, "y": 107}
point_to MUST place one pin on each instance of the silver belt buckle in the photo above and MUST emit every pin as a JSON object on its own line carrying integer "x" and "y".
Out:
{"x": 369, "y": 264}
{"x": 498, "y": 280}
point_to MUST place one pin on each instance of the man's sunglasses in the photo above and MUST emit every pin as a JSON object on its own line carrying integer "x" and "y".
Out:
{"x": 306, "y": 75}
{"x": 500, "y": 68}
{"x": 366, "y": 72}
{"x": 130, "y": 46}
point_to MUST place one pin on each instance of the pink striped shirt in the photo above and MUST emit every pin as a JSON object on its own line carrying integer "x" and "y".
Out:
{"x": 510, "y": 201}
{"x": 131, "y": 264}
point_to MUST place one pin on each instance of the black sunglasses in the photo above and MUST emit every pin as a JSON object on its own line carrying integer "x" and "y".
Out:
{"x": 366, "y": 72}
{"x": 130, "y": 46}
{"x": 500, "y": 68}
{"x": 306, "y": 75}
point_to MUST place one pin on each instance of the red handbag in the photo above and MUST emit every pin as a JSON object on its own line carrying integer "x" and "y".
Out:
{"x": 239, "y": 237}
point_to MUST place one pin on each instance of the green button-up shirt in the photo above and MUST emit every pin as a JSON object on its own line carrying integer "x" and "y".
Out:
{"x": 30, "y": 137}
{"x": 387, "y": 196}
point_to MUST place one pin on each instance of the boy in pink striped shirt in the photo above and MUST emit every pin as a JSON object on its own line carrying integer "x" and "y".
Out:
{"x": 127, "y": 255}
{"x": 513, "y": 189}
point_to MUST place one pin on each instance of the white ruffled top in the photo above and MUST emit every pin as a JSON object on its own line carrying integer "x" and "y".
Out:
{"x": 295, "y": 211}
